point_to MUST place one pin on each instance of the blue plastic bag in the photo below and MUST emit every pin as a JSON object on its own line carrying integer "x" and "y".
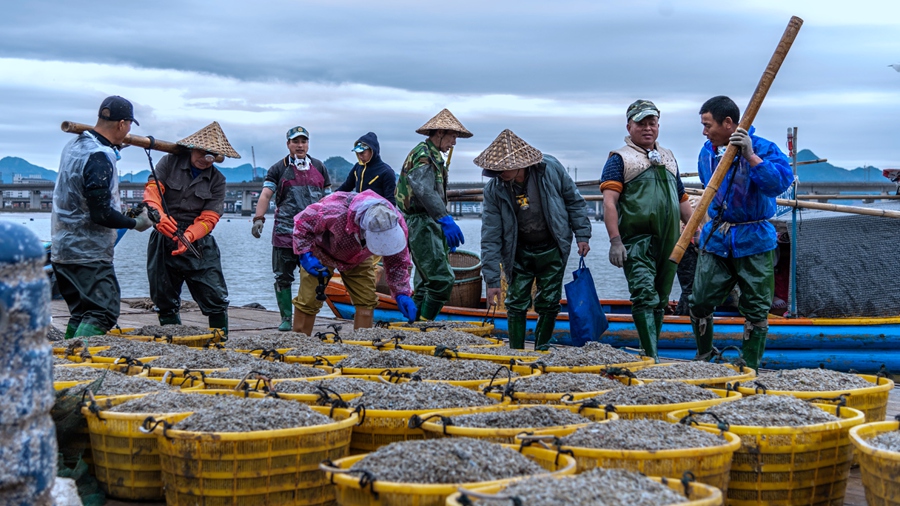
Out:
{"x": 587, "y": 321}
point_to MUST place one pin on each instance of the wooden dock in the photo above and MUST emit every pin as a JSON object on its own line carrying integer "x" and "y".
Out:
{"x": 246, "y": 321}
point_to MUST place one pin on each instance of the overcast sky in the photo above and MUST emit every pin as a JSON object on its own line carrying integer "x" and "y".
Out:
{"x": 559, "y": 74}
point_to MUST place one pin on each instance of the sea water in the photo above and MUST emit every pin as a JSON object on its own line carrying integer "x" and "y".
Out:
{"x": 247, "y": 261}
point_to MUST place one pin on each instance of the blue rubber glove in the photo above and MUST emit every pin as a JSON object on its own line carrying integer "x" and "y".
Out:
{"x": 407, "y": 307}
{"x": 452, "y": 232}
{"x": 312, "y": 264}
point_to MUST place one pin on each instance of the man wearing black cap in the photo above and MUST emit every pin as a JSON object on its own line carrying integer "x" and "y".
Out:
{"x": 643, "y": 198}
{"x": 295, "y": 181}
{"x": 85, "y": 218}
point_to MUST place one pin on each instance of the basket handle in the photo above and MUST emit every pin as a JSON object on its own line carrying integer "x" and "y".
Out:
{"x": 366, "y": 478}
{"x": 465, "y": 494}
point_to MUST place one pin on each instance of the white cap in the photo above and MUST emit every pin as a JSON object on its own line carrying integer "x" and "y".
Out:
{"x": 383, "y": 233}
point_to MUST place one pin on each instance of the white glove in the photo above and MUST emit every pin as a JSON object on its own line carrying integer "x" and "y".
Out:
{"x": 741, "y": 139}
{"x": 257, "y": 228}
{"x": 142, "y": 221}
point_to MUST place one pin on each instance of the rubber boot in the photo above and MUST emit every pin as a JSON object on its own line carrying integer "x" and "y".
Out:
{"x": 645, "y": 324}
{"x": 219, "y": 321}
{"x": 363, "y": 318}
{"x": 429, "y": 309}
{"x": 70, "y": 331}
{"x": 285, "y": 307}
{"x": 658, "y": 320}
{"x": 516, "y": 327}
{"x": 174, "y": 319}
{"x": 754, "y": 343}
{"x": 543, "y": 331}
{"x": 87, "y": 330}
{"x": 304, "y": 323}
{"x": 703, "y": 334}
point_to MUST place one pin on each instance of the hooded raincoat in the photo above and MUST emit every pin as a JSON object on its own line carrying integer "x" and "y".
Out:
{"x": 375, "y": 175}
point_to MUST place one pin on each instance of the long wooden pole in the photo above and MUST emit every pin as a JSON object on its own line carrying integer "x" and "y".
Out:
{"x": 765, "y": 82}
{"x": 821, "y": 206}
{"x": 133, "y": 140}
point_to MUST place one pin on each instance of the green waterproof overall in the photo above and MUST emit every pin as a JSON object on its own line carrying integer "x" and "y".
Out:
{"x": 648, "y": 223}
{"x": 434, "y": 278}
{"x": 544, "y": 267}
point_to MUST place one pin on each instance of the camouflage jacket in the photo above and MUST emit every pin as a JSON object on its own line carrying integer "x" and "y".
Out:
{"x": 422, "y": 187}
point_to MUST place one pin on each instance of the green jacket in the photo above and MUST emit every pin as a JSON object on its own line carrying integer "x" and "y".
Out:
{"x": 422, "y": 186}
{"x": 565, "y": 213}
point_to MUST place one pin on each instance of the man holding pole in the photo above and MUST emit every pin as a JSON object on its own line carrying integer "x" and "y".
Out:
{"x": 532, "y": 210}
{"x": 86, "y": 214}
{"x": 295, "y": 181}
{"x": 189, "y": 193}
{"x": 422, "y": 196}
{"x": 736, "y": 245}
{"x": 643, "y": 199}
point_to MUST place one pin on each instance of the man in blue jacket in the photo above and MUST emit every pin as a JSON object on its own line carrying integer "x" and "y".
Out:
{"x": 737, "y": 244}
{"x": 371, "y": 172}
{"x": 532, "y": 209}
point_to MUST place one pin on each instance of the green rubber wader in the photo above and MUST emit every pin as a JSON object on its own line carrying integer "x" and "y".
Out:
{"x": 648, "y": 223}
{"x": 645, "y": 323}
{"x": 754, "y": 344}
{"x": 516, "y": 327}
{"x": 70, "y": 331}
{"x": 433, "y": 278}
{"x": 543, "y": 332}
{"x": 174, "y": 319}
{"x": 716, "y": 276}
{"x": 87, "y": 330}
{"x": 546, "y": 269}
{"x": 219, "y": 321}
{"x": 703, "y": 334}
{"x": 286, "y": 308}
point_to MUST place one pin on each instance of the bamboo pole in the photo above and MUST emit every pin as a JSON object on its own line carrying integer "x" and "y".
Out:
{"x": 134, "y": 140}
{"x": 821, "y": 206}
{"x": 762, "y": 88}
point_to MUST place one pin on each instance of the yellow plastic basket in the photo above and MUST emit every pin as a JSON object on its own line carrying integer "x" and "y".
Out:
{"x": 807, "y": 465}
{"x": 126, "y": 460}
{"x": 872, "y": 401}
{"x": 698, "y": 494}
{"x": 710, "y": 465}
{"x": 880, "y": 469}
{"x": 196, "y": 341}
{"x": 433, "y": 429}
{"x": 498, "y": 359}
{"x": 476, "y": 328}
{"x": 544, "y": 398}
{"x": 214, "y": 382}
{"x": 634, "y": 366}
{"x": 660, "y": 411}
{"x": 742, "y": 374}
{"x": 522, "y": 371}
{"x": 377, "y": 493}
{"x": 381, "y": 427}
{"x": 261, "y": 467}
{"x": 431, "y": 350}
{"x": 367, "y": 371}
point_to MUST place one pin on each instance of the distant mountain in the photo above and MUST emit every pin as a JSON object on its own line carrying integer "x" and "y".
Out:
{"x": 826, "y": 172}
{"x": 240, "y": 174}
{"x": 11, "y": 165}
{"x": 338, "y": 169}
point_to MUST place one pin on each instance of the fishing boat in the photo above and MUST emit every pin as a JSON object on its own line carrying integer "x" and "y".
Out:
{"x": 843, "y": 310}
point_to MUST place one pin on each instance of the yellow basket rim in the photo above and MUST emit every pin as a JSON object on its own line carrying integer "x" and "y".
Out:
{"x": 406, "y": 413}
{"x": 447, "y": 488}
{"x": 507, "y": 432}
{"x": 860, "y": 435}
{"x": 741, "y": 376}
{"x": 878, "y": 387}
{"x": 350, "y": 421}
{"x": 549, "y": 396}
{"x": 212, "y": 380}
{"x": 732, "y": 444}
{"x": 121, "y": 332}
{"x": 433, "y": 347}
{"x": 473, "y": 324}
{"x": 524, "y": 371}
{"x": 372, "y": 371}
{"x": 855, "y": 418}
{"x": 159, "y": 371}
{"x": 713, "y": 498}
{"x": 724, "y": 396}
{"x": 112, "y": 360}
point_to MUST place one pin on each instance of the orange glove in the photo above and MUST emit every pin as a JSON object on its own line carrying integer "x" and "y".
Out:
{"x": 202, "y": 226}
{"x": 166, "y": 226}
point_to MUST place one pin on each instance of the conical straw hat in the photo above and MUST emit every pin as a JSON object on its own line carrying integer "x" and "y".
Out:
{"x": 508, "y": 152}
{"x": 445, "y": 120}
{"x": 210, "y": 138}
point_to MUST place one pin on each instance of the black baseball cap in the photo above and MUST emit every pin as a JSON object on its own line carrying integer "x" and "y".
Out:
{"x": 119, "y": 109}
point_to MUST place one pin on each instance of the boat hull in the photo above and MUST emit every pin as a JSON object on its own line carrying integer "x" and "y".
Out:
{"x": 863, "y": 344}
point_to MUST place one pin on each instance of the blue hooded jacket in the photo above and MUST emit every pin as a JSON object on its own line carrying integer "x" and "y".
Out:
{"x": 375, "y": 175}
{"x": 740, "y": 211}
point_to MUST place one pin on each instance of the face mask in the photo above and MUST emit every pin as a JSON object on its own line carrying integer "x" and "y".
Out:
{"x": 655, "y": 157}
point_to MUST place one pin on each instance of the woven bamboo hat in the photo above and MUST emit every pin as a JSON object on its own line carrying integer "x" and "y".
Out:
{"x": 445, "y": 120}
{"x": 210, "y": 138}
{"x": 508, "y": 152}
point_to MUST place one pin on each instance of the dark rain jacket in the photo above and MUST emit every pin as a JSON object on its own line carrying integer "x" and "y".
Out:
{"x": 375, "y": 175}
{"x": 565, "y": 213}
